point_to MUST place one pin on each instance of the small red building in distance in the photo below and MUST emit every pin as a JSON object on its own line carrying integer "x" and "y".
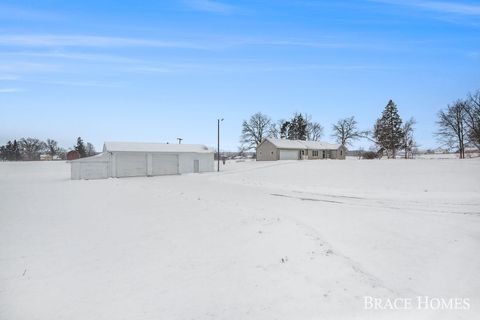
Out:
{"x": 73, "y": 155}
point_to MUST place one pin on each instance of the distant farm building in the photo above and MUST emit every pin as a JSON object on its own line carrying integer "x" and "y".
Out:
{"x": 282, "y": 149}
{"x": 73, "y": 155}
{"x": 471, "y": 152}
{"x": 440, "y": 151}
{"x": 134, "y": 159}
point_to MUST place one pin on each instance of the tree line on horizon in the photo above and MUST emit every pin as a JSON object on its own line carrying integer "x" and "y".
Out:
{"x": 458, "y": 123}
{"x": 30, "y": 149}
{"x": 458, "y": 128}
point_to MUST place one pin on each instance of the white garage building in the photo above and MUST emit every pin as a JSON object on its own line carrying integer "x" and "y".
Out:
{"x": 134, "y": 159}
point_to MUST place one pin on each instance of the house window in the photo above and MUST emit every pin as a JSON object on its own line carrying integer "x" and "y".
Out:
{"x": 341, "y": 152}
{"x": 315, "y": 153}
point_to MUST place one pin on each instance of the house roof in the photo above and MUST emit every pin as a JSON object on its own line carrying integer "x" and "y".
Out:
{"x": 321, "y": 145}
{"x": 286, "y": 144}
{"x": 112, "y": 146}
{"x": 300, "y": 144}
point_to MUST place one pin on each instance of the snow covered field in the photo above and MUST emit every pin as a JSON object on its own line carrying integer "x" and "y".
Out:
{"x": 259, "y": 240}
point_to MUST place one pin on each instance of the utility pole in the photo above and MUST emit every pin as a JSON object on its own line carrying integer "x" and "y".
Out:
{"x": 218, "y": 144}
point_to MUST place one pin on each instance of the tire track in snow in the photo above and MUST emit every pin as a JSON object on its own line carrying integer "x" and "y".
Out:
{"x": 304, "y": 199}
{"x": 366, "y": 202}
{"x": 315, "y": 235}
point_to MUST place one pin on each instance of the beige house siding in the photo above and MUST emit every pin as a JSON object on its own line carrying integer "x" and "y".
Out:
{"x": 321, "y": 154}
{"x": 266, "y": 151}
{"x": 341, "y": 153}
{"x": 314, "y": 157}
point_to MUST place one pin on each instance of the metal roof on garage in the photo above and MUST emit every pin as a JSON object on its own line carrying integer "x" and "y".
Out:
{"x": 118, "y": 146}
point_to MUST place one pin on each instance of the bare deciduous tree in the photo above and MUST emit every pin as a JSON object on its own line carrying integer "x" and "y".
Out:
{"x": 408, "y": 142}
{"x": 52, "y": 147}
{"x": 241, "y": 151}
{"x": 314, "y": 129}
{"x": 31, "y": 148}
{"x": 90, "y": 150}
{"x": 452, "y": 126}
{"x": 345, "y": 131}
{"x": 274, "y": 131}
{"x": 472, "y": 112}
{"x": 255, "y": 130}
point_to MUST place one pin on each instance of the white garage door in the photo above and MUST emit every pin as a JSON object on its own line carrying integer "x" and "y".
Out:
{"x": 93, "y": 170}
{"x": 131, "y": 165}
{"x": 164, "y": 164}
{"x": 288, "y": 154}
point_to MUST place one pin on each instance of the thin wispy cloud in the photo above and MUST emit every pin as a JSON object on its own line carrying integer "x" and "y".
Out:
{"x": 439, "y": 6}
{"x": 84, "y": 84}
{"x": 299, "y": 43}
{"x": 474, "y": 55}
{"x": 33, "y": 40}
{"x": 73, "y": 56}
{"x": 19, "y": 13}
{"x": 327, "y": 67}
{"x": 239, "y": 67}
{"x": 154, "y": 69}
{"x": 27, "y": 67}
{"x": 199, "y": 43}
{"x": 8, "y": 77}
{"x": 11, "y": 90}
{"x": 210, "y": 6}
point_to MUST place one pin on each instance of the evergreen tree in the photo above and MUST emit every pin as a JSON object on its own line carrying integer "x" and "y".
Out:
{"x": 388, "y": 130}
{"x": 16, "y": 155}
{"x": 11, "y": 151}
{"x": 284, "y": 129}
{"x": 80, "y": 148}
{"x": 9, "y": 154}
{"x": 295, "y": 129}
{"x": 3, "y": 153}
{"x": 300, "y": 127}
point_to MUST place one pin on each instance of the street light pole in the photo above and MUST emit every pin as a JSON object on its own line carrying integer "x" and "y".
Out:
{"x": 218, "y": 144}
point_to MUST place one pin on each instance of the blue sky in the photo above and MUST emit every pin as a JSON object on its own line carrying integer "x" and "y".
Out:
{"x": 158, "y": 70}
